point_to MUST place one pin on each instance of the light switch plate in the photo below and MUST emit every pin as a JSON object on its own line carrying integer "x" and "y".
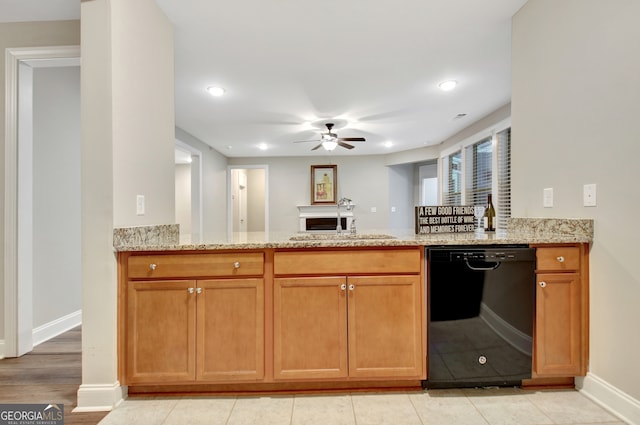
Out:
{"x": 589, "y": 193}
{"x": 140, "y": 205}
{"x": 374, "y": 209}
{"x": 547, "y": 197}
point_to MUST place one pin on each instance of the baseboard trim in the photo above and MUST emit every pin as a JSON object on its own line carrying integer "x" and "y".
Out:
{"x": 100, "y": 398}
{"x": 611, "y": 398}
{"x": 56, "y": 327}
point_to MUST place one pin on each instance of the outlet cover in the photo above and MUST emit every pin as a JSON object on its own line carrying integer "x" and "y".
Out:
{"x": 589, "y": 193}
{"x": 547, "y": 197}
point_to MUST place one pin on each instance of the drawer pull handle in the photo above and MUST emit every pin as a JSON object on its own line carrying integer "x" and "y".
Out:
{"x": 561, "y": 259}
{"x": 543, "y": 284}
{"x": 236, "y": 265}
{"x": 343, "y": 287}
{"x": 352, "y": 287}
{"x": 152, "y": 266}
{"x": 190, "y": 290}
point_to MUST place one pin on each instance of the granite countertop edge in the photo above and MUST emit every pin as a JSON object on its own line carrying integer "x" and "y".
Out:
{"x": 520, "y": 231}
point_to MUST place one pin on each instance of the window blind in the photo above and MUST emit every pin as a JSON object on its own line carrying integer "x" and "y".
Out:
{"x": 479, "y": 172}
{"x": 503, "y": 202}
{"x": 452, "y": 179}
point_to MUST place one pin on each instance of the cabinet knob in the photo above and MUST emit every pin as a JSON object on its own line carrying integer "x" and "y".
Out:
{"x": 152, "y": 266}
{"x": 561, "y": 259}
{"x": 343, "y": 287}
{"x": 543, "y": 284}
{"x": 198, "y": 290}
{"x": 352, "y": 287}
{"x": 191, "y": 290}
{"x": 236, "y": 265}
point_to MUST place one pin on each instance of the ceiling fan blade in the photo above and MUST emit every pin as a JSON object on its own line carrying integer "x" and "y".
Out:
{"x": 352, "y": 139}
{"x": 319, "y": 146}
{"x": 345, "y": 145}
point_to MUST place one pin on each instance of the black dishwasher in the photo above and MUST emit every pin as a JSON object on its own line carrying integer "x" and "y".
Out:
{"x": 480, "y": 318}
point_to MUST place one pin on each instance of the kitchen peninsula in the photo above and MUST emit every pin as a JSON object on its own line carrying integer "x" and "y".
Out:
{"x": 317, "y": 312}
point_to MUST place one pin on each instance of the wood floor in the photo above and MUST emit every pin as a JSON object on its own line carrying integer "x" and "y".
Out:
{"x": 51, "y": 373}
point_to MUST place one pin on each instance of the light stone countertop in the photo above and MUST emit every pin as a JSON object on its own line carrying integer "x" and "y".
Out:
{"x": 520, "y": 231}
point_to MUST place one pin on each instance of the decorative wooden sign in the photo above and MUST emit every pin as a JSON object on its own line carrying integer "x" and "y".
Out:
{"x": 444, "y": 219}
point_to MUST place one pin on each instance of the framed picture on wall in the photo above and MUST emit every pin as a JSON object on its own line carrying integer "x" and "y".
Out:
{"x": 324, "y": 184}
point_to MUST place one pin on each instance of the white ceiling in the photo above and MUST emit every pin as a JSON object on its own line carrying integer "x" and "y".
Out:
{"x": 285, "y": 63}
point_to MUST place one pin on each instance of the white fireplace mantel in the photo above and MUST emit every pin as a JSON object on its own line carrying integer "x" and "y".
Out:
{"x": 322, "y": 211}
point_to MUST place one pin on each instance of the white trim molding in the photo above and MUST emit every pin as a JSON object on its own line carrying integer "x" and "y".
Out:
{"x": 611, "y": 398}
{"x": 100, "y": 398}
{"x": 56, "y": 327}
{"x": 13, "y": 57}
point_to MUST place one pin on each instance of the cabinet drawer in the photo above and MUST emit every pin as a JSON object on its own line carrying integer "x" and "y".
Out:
{"x": 369, "y": 261}
{"x": 564, "y": 258}
{"x": 196, "y": 265}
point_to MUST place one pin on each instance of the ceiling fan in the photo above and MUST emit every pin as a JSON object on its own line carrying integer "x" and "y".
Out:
{"x": 329, "y": 141}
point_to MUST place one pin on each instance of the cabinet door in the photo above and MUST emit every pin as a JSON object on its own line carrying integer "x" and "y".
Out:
{"x": 386, "y": 337}
{"x": 230, "y": 329}
{"x": 310, "y": 328}
{"x": 161, "y": 331}
{"x": 558, "y": 325}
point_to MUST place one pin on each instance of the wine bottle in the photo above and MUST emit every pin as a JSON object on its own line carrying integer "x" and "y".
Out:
{"x": 489, "y": 216}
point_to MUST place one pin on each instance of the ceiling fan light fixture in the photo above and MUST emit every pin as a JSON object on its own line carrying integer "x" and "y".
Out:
{"x": 215, "y": 91}
{"x": 329, "y": 145}
{"x": 448, "y": 85}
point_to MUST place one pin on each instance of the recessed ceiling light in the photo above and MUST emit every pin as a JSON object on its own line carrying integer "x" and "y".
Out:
{"x": 215, "y": 91}
{"x": 262, "y": 146}
{"x": 388, "y": 144}
{"x": 447, "y": 85}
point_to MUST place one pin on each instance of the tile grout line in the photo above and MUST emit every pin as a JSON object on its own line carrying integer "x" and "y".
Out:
{"x": 235, "y": 401}
{"x": 293, "y": 407}
{"x": 415, "y": 409}
{"x": 169, "y": 413}
{"x": 484, "y": 418}
{"x": 353, "y": 409}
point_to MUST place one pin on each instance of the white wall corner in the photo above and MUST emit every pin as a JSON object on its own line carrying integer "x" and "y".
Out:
{"x": 100, "y": 397}
{"x": 611, "y": 398}
{"x": 1, "y": 348}
{"x": 56, "y": 327}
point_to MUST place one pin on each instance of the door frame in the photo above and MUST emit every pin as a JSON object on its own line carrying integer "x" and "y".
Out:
{"x": 230, "y": 193}
{"x": 18, "y": 312}
{"x": 196, "y": 190}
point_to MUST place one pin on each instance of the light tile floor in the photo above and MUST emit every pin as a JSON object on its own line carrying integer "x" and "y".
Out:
{"x": 504, "y": 406}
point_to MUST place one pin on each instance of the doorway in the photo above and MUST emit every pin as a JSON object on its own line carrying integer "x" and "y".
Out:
{"x": 188, "y": 192}
{"x": 247, "y": 200}
{"x": 32, "y": 174}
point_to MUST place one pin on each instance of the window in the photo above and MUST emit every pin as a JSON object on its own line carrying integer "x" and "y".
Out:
{"x": 479, "y": 172}
{"x": 482, "y": 167}
{"x": 452, "y": 189}
{"x": 503, "y": 203}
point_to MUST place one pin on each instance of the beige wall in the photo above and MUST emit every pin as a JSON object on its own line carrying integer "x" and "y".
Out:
{"x": 127, "y": 149}
{"x": 363, "y": 179}
{"x": 575, "y": 101}
{"x": 26, "y": 34}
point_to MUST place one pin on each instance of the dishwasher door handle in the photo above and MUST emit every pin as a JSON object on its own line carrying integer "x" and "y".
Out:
{"x": 482, "y": 269}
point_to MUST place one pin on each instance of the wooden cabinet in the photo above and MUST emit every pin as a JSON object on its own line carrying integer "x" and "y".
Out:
{"x": 230, "y": 330}
{"x": 561, "y": 325}
{"x": 310, "y": 328}
{"x": 386, "y": 337}
{"x": 161, "y": 331}
{"x": 352, "y": 326}
{"x": 193, "y": 330}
